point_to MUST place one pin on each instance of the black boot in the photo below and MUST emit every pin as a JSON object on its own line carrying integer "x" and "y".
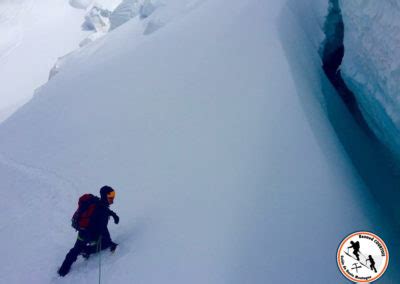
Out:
{"x": 63, "y": 271}
{"x": 71, "y": 257}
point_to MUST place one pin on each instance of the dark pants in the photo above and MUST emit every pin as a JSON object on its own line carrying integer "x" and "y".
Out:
{"x": 86, "y": 245}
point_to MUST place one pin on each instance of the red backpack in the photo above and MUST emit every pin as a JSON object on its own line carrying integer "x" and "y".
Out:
{"x": 86, "y": 206}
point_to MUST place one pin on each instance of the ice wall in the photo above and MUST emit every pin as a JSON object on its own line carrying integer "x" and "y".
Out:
{"x": 371, "y": 64}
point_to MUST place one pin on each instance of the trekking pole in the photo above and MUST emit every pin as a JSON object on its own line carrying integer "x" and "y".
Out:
{"x": 99, "y": 252}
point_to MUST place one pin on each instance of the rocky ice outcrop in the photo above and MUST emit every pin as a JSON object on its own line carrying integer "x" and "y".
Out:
{"x": 80, "y": 4}
{"x": 129, "y": 9}
{"x": 371, "y": 64}
{"x": 96, "y": 20}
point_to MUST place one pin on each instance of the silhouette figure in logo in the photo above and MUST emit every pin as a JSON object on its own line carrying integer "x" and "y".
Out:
{"x": 356, "y": 249}
{"x": 372, "y": 261}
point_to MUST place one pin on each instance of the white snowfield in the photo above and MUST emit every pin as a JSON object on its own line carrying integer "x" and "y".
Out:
{"x": 371, "y": 65}
{"x": 214, "y": 132}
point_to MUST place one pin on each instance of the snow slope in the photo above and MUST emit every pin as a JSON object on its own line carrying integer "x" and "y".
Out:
{"x": 371, "y": 65}
{"x": 33, "y": 35}
{"x": 226, "y": 166}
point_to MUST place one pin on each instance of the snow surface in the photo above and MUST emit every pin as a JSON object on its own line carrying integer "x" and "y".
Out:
{"x": 371, "y": 67}
{"x": 226, "y": 165}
